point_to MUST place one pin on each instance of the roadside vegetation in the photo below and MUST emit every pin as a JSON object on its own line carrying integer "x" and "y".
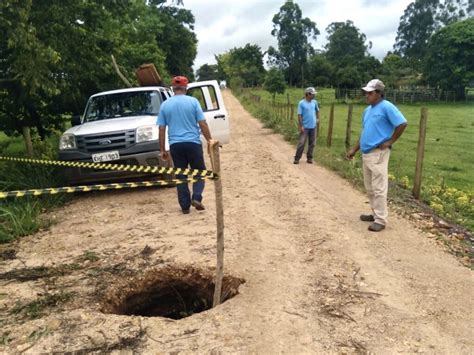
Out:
{"x": 448, "y": 163}
{"x": 23, "y": 216}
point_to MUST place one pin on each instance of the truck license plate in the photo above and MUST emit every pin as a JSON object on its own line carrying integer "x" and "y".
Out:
{"x": 105, "y": 156}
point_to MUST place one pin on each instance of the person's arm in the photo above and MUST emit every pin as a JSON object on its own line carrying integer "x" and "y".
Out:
{"x": 318, "y": 116}
{"x": 162, "y": 136}
{"x": 205, "y": 130}
{"x": 351, "y": 152}
{"x": 300, "y": 123}
{"x": 396, "y": 134}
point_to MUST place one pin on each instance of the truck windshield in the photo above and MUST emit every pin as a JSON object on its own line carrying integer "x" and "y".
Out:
{"x": 124, "y": 104}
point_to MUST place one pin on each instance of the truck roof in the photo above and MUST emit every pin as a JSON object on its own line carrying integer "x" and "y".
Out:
{"x": 139, "y": 88}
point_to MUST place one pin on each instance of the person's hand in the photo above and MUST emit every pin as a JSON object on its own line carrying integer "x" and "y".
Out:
{"x": 350, "y": 154}
{"x": 301, "y": 129}
{"x": 165, "y": 156}
{"x": 210, "y": 144}
{"x": 385, "y": 145}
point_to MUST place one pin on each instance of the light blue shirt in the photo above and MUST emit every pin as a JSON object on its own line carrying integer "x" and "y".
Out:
{"x": 181, "y": 114}
{"x": 307, "y": 110}
{"x": 378, "y": 124}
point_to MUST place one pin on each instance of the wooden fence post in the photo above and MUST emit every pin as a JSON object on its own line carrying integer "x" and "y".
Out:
{"x": 331, "y": 122}
{"x": 349, "y": 127}
{"x": 216, "y": 168}
{"x": 420, "y": 153}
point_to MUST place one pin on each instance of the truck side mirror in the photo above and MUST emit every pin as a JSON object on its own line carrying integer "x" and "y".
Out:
{"x": 76, "y": 120}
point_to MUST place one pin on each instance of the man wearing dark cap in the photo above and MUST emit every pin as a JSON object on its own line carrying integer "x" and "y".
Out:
{"x": 185, "y": 120}
{"x": 382, "y": 125}
{"x": 308, "y": 116}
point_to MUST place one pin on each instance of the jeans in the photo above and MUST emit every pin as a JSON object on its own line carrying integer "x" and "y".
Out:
{"x": 188, "y": 155}
{"x": 307, "y": 133}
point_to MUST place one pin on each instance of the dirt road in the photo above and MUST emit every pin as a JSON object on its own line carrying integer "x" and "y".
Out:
{"x": 316, "y": 280}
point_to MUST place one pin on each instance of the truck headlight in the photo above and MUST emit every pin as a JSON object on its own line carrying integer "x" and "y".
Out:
{"x": 147, "y": 133}
{"x": 67, "y": 141}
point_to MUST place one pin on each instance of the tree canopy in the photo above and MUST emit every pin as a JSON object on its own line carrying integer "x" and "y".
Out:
{"x": 54, "y": 54}
{"x": 449, "y": 62}
{"x": 293, "y": 33}
{"x": 420, "y": 20}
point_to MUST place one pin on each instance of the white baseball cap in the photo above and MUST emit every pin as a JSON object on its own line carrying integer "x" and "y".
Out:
{"x": 310, "y": 90}
{"x": 374, "y": 84}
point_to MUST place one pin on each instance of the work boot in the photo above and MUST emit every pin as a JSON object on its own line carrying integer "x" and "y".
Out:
{"x": 185, "y": 211}
{"x": 376, "y": 227}
{"x": 367, "y": 218}
{"x": 198, "y": 205}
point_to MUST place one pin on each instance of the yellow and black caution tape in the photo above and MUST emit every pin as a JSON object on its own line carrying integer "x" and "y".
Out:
{"x": 99, "y": 187}
{"x": 120, "y": 167}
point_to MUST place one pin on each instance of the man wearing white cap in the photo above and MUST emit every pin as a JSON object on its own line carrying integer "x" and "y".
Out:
{"x": 382, "y": 125}
{"x": 308, "y": 116}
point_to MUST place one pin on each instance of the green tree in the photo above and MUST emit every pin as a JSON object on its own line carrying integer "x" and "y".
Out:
{"x": 420, "y": 20}
{"x": 348, "y": 53}
{"x": 274, "y": 82}
{"x": 207, "y": 72}
{"x": 293, "y": 33}
{"x": 320, "y": 70}
{"x": 449, "y": 62}
{"x": 54, "y": 54}
{"x": 245, "y": 63}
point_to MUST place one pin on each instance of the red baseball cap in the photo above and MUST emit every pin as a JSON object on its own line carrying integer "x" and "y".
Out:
{"x": 179, "y": 81}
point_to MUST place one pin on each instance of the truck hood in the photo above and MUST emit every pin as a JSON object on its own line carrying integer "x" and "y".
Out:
{"x": 112, "y": 125}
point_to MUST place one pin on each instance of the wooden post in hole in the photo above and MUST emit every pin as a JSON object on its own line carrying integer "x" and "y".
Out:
{"x": 331, "y": 122}
{"x": 420, "y": 153}
{"x": 349, "y": 127}
{"x": 216, "y": 168}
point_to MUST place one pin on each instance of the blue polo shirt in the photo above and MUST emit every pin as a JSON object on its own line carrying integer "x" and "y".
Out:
{"x": 307, "y": 110}
{"x": 181, "y": 114}
{"x": 378, "y": 124}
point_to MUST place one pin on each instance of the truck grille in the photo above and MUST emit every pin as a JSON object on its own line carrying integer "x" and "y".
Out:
{"x": 104, "y": 142}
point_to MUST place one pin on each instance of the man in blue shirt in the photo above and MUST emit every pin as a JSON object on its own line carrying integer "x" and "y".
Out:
{"x": 382, "y": 125}
{"x": 308, "y": 116}
{"x": 185, "y": 121}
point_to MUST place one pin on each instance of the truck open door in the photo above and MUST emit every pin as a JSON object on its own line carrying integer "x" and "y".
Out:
{"x": 209, "y": 96}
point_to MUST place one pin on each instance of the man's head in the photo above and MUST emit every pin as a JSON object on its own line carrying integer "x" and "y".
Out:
{"x": 374, "y": 91}
{"x": 310, "y": 92}
{"x": 179, "y": 83}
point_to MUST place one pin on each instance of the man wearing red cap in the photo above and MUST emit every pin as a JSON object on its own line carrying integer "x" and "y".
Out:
{"x": 185, "y": 120}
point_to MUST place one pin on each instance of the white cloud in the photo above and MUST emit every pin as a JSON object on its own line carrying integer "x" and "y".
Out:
{"x": 224, "y": 24}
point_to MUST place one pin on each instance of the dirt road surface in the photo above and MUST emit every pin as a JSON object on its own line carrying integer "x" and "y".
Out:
{"x": 316, "y": 280}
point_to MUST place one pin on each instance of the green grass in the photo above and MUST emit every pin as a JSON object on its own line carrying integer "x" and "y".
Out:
{"x": 22, "y": 216}
{"x": 448, "y": 166}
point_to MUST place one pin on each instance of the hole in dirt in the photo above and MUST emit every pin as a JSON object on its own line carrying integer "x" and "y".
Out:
{"x": 170, "y": 292}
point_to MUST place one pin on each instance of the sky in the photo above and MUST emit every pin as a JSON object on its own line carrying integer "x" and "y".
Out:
{"x": 221, "y": 25}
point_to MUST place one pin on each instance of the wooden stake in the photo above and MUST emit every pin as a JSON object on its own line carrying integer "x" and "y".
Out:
{"x": 331, "y": 122}
{"x": 420, "y": 153}
{"x": 349, "y": 127}
{"x": 216, "y": 168}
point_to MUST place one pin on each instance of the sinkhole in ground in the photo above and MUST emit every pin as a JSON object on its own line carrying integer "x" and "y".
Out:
{"x": 170, "y": 292}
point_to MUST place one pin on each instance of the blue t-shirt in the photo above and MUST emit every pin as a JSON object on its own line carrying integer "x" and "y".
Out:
{"x": 307, "y": 110}
{"x": 181, "y": 114}
{"x": 378, "y": 124}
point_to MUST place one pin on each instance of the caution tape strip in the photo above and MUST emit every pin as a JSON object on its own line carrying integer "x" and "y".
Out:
{"x": 99, "y": 187}
{"x": 119, "y": 167}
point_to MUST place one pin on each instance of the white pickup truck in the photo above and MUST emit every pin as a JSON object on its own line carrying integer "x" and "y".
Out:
{"x": 119, "y": 126}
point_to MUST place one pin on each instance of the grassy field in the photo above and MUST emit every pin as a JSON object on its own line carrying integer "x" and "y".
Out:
{"x": 448, "y": 168}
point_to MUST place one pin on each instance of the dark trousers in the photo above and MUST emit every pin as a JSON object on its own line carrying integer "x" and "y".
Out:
{"x": 310, "y": 135}
{"x": 188, "y": 155}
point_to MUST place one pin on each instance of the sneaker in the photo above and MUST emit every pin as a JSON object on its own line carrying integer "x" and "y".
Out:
{"x": 367, "y": 218}
{"x": 186, "y": 211}
{"x": 309, "y": 161}
{"x": 376, "y": 227}
{"x": 296, "y": 161}
{"x": 198, "y": 205}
